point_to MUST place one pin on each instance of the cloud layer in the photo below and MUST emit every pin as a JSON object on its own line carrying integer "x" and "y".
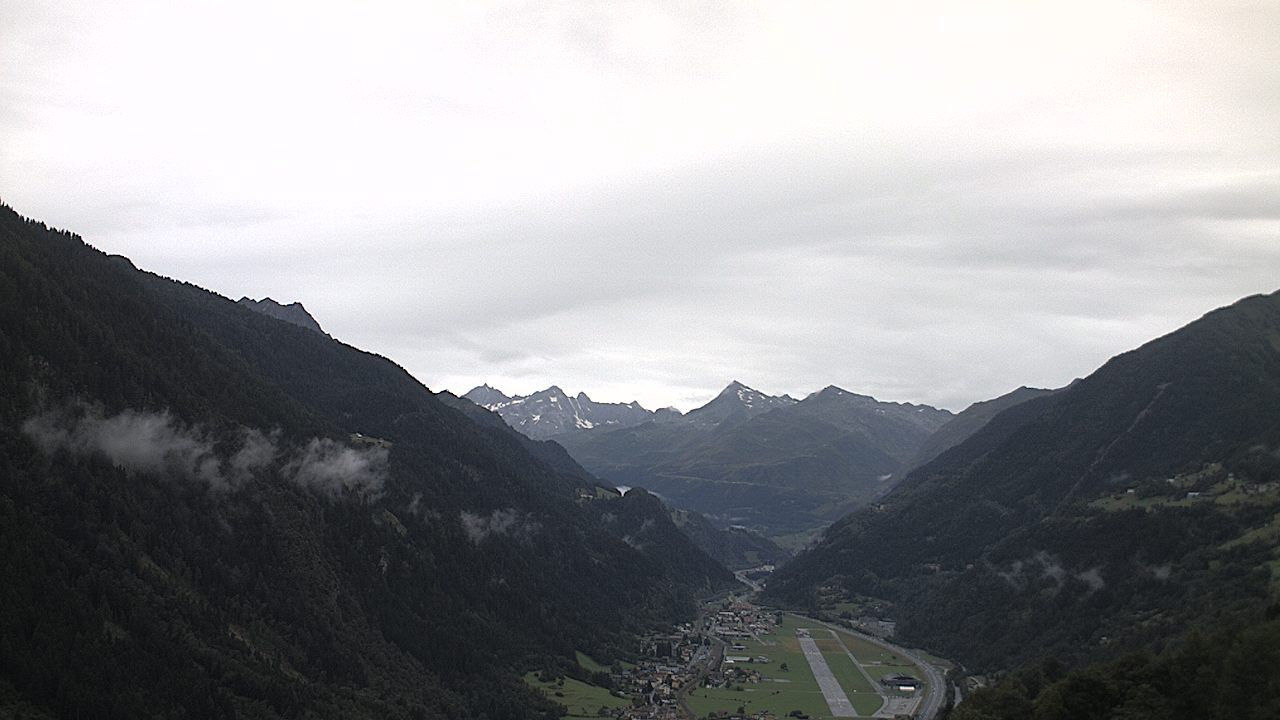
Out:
{"x": 923, "y": 202}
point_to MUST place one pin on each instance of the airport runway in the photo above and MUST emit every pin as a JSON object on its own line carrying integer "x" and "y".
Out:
{"x": 831, "y": 690}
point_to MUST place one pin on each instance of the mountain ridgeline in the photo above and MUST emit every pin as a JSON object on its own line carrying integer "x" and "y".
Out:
{"x": 552, "y": 412}
{"x": 293, "y": 313}
{"x": 222, "y": 496}
{"x": 733, "y": 547}
{"x": 773, "y": 464}
{"x": 969, "y": 421}
{"x": 280, "y": 525}
{"x": 1110, "y": 516}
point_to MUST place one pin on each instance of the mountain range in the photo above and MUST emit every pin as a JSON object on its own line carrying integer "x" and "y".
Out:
{"x": 277, "y": 524}
{"x": 1111, "y": 516}
{"x": 552, "y": 412}
{"x": 771, "y": 463}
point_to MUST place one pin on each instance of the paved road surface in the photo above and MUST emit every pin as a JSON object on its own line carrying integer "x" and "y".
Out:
{"x": 831, "y": 690}
{"x": 742, "y": 578}
{"x": 935, "y": 687}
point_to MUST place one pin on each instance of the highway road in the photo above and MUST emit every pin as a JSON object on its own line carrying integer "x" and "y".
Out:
{"x": 742, "y": 578}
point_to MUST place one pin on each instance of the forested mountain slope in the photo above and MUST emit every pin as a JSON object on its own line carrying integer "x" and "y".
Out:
{"x": 276, "y": 524}
{"x": 1111, "y": 515}
{"x": 969, "y": 421}
{"x": 1227, "y": 674}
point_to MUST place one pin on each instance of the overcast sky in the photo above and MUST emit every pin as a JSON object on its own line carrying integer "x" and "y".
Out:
{"x": 923, "y": 201}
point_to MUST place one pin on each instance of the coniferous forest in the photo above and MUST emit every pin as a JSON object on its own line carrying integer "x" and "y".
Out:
{"x": 205, "y": 512}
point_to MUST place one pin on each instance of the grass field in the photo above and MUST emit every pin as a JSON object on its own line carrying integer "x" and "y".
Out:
{"x": 864, "y": 697}
{"x": 583, "y": 700}
{"x": 589, "y": 664}
{"x": 794, "y": 689}
{"x": 868, "y": 652}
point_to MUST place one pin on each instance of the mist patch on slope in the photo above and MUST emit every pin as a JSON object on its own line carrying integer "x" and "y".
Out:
{"x": 158, "y": 443}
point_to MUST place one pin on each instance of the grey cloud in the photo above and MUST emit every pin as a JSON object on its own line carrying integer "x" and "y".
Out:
{"x": 505, "y": 522}
{"x": 257, "y": 450}
{"x": 334, "y": 468}
{"x": 1159, "y": 572}
{"x": 160, "y": 444}
{"x": 944, "y": 259}
{"x": 607, "y": 43}
{"x": 1013, "y": 577}
{"x": 139, "y": 441}
{"x": 1093, "y": 578}
{"x": 1051, "y": 567}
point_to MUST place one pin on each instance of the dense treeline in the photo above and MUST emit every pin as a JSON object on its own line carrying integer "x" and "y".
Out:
{"x": 1228, "y": 675}
{"x": 411, "y": 573}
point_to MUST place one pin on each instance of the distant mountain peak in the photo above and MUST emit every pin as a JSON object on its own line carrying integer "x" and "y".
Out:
{"x": 293, "y": 313}
{"x": 739, "y": 390}
{"x": 551, "y": 412}
{"x": 737, "y": 399}
{"x": 487, "y": 396}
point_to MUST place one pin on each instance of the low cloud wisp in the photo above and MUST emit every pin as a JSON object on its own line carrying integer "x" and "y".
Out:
{"x": 159, "y": 443}
{"x": 508, "y": 521}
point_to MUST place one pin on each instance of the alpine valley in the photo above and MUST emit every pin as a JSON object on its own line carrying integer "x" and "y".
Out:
{"x": 214, "y": 509}
{"x": 279, "y": 525}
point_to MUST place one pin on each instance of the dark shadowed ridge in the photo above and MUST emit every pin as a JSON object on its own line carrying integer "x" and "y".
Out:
{"x": 969, "y": 421}
{"x": 293, "y": 313}
{"x": 277, "y": 591}
{"x": 1111, "y": 515}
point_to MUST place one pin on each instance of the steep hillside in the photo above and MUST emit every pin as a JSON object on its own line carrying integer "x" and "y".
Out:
{"x": 773, "y": 464}
{"x": 645, "y": 523}
{"x": 276, "y": 524}
{"x": 733, "y": 548}
{"x": 737, "y": 548}
{"x": 969, "y": 421}
{"x": 1228, "y": 674}
{"x": 1110, "y": 515}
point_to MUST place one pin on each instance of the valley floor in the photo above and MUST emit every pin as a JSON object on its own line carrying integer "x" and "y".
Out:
{"x": 792, "y": 666}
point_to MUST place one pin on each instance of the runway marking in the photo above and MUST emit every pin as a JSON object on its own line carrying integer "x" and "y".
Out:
{"x": 831, "y": 690}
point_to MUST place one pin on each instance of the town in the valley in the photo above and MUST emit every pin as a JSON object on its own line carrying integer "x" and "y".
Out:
{"x": 741, "y": 660}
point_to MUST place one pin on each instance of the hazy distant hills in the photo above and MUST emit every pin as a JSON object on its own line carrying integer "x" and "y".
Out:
{"x": 280, "y": 525}
{"x": 552, "y": 412}
{"x": 1110, "y": 515}
{"x": 775, "y": 464}
{"x": 733, "y": 547}
{"x": 293, "y": 313}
